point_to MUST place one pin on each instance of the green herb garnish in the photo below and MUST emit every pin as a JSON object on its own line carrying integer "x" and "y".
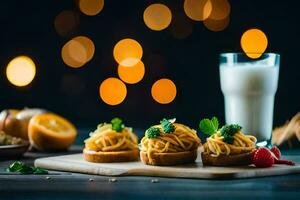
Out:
{"x": 39, "y": 170}
{"x": 152, "y": 132}
{"x": 228, "y": 132}
{"x": 15, "y": 166}
{"x": 208, "y": 126}
{"x": 22, "y": 168}
{"x": 117, "y": 124}
{"x": 167, "y": 125}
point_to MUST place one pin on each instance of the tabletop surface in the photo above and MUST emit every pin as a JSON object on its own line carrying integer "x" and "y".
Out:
{"x": 65, "y": 185}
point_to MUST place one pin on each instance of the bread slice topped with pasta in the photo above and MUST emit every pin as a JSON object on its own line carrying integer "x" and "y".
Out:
{"x": 111, "y": 142}
{"x": 227, "y": 146}
{"x": 169, "y": 143}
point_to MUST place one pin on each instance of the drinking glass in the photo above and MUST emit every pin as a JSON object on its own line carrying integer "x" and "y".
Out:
{"x": 249, "y": 87}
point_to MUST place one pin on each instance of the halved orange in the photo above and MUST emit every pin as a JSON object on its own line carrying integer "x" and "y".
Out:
{"x": 49, "y": 131}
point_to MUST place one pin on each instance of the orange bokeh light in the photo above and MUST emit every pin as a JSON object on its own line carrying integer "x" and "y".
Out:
{"x": 157, "y": 16}
{"x": 91, "y": 7}
{"x": 128, "y": 52}
{"x": 254, "y": 42}
{"x": 88, "y": 44}
{"x": 133, "y": 74}
{"x": 220, "y": 9}
{"x": 78, "y": 51}
{"x": 112, "y": 91}
{"x": 197, "y": 10}
{"x": 164, "y": 91}
{"x": 216, "y": 25}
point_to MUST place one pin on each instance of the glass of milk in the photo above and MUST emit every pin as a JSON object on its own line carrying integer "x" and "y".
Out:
{"x": 249, "y": 87}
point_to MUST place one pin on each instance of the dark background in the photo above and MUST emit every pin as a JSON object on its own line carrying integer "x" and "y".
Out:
{"x": 27, "y": 27}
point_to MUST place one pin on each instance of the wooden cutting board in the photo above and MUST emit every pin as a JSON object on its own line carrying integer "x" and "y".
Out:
{"x": 76, "y": 163}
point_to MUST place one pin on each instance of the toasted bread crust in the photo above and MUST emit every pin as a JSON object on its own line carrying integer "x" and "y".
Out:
{"x": 167, "y": 159}
{"x": 227, "y": 160}
{"x": 109, "y": 157}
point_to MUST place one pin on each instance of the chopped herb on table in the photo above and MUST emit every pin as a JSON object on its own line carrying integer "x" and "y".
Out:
{"x": 22, "y": 168}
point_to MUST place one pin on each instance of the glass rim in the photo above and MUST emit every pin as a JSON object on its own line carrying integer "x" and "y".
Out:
{"x": 245, "y": 53}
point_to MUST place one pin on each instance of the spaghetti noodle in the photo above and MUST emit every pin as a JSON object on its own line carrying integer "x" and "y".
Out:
{"x": 241, "y": 144}
{"x": 105, "y": 139}
{"x": 181, "y": 139}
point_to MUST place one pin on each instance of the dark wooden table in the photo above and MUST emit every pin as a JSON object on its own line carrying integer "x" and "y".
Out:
{"x": 64, "y": 185}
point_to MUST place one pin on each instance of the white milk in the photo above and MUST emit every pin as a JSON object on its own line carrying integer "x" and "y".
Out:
{"x": 249, "y": 91}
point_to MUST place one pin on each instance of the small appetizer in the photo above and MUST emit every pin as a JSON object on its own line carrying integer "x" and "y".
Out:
{"x": 111, "y": 142}
{"x": 6, "y": 139}
{"x": 169, "y": 143}
{"x": 227, "y": 146}
{"x": 11, "y": 146}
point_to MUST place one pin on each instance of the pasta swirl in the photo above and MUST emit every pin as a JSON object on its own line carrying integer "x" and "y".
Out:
{"x": 104, "y": 138}
{"x": 181, "y": 139}
{"x": 241, "y": 144}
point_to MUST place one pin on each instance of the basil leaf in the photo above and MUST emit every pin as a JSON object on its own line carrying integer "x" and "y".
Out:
{"x": 22, "y": 168}
{"x": 16, "y": 166}
{"x": 208, "y": 126}
{"x": 39, "y": 170}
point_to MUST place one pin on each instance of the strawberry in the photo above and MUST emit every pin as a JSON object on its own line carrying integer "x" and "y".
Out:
{"x": 276, "y": 152}
{"x": 277, "y": 155}
{"x": 263, "y": 157}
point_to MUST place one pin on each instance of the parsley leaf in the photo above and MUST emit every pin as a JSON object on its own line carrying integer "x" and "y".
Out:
{"x": 228, "y": 132}
{"x": 38, "y": 170}
{"x": 15, "y": 166}
{"x": 208, "y": 126}
{"x": 167, "y": 125}
{"x": 152, "y": 132}
{"x": 117, "y": 124}
{"x": 22, "y": 168}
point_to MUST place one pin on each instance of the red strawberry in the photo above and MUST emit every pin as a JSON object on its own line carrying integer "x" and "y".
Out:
{"x": 263, "y": 157}
{"x": 277, "y": 155}
{"x": 276, "y": 152}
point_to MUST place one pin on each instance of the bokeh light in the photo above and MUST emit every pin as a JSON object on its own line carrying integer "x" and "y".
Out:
{"x": 21, "y": 71}
{"x": 181, "y": 27}
{"x": 66, "y": 22}
{"x": 157, "y": 16}
{"x": 91, "y": 7}
{"x": 112, "y": 91}
{"x": 254, "y": 42}
{"x": 128, "y": 52}
{"x": 88, "y": 44}
{"x": 197, "y": 10}
{"x": 78, "y": 51}
{"x": 164, "y": 91}
{"x": 220, "y": 9}
{"x": 133, "y": 74}
{"x": 216, "y": 25}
